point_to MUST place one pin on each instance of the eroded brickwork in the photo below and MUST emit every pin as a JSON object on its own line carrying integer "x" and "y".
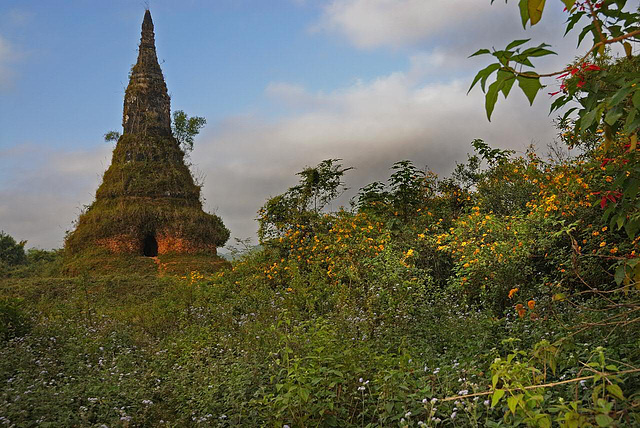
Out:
{"x": 148, "y": 202}
{"x": 121, "y": 244}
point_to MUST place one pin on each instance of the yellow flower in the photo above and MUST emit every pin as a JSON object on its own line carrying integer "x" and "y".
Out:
{"x": 603, "y": 243}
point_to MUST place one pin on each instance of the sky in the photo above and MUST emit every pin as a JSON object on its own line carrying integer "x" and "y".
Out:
{"x": 283, "y": 84}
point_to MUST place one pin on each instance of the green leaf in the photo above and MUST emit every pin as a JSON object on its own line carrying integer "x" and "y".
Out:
{"x": 516, "y": 43}
{"x": 521, "y": 59}
{"x": 542, "y": 52}
{"x": 584, "y": 32}
{"x": 631, "y": 227}
{"x": 508, "y": 79}
{"x": 603, "y": 420}
{"x": 512, "y": 402}
{"x": 616, "y": 31}
{"x": 632, "y": 122}
{"x": 483, "y": 75}
{"x": 497, "y": 395}
{"x": 492, "y": 97}
{"x": 304, "y": 394}
{"x": 530, "y": 86}
{"x": 619, "y": 96}
{"x": 544, "y": 422}
{"x": 613, "y": 115}
{"x": 569, "y": 4}
{"x": 535, "y": 10}
{"x": 524, "y": 12}
{"x": 587, "y": 120}
{"x": 616, "y": 391}
{"x": 538, "y": 51}
{"x": 559, "y": 102}
{"x": 494, "y": 380}
{"x": 503, "y": 56}
{"x": 480, "y": 52}
{"x": 620, "y": 274}
{"x": 572, "y": 21}
{"x": 568, "y": 112}
{"x": 631, "y": 188}
{"x": 636, "y": 99}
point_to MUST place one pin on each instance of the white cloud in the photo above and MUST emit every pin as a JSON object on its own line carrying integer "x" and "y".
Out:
{"x": 42, "y": 190}
{"x": 369, "y": 125}
{"x": 396, "y": 23}
{"x": 448, "y": 30}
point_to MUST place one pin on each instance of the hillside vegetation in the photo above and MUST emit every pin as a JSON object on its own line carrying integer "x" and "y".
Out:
{"x": 497, "y": 296}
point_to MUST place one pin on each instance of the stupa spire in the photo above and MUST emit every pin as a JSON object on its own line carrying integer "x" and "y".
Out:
{"x": 147, "y": 107}
{"x": 148, "y": 203}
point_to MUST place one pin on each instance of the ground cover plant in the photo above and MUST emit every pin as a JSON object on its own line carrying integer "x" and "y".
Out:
{"x": 506, "y": 294}
{"x": 426, "y": 304}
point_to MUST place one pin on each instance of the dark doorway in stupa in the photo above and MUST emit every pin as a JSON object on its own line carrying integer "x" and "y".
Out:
{"x": 150, "y": 246}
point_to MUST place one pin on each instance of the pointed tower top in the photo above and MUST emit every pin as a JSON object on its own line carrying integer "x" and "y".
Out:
{"x": 147, "y": 37}
{"x": 147, "y": 107}
{"x": 147, "y": 21}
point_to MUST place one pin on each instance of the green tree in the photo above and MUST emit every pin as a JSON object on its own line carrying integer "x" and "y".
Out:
{"x": 11, "y": 252}
{"x": 609, "y": 22}
{"x": 112, "y": 136}
{"x": 185, "y": 129}
{"x": 303, "y": 203}
{"x": 595, "y": 94}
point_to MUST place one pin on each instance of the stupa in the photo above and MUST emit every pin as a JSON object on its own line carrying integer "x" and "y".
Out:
{"x": 148, "y": 203}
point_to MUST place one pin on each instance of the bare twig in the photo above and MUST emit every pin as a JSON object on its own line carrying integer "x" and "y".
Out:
{"x": 546, "y": 385}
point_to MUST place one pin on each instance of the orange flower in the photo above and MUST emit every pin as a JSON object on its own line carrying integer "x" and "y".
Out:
{"x": 531, "y": 304}
{"x": 512, "y": 292}
{"x": 521, "y": 310}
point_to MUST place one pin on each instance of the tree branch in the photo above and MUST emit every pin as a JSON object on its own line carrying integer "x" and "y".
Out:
{"x": 546, "y": 385}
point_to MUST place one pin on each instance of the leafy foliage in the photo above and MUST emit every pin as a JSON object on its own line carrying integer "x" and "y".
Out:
{"x": 112, "y": 136}
{"x": 597, "y": 94}
{"x": 14, "y": 322}
{"x": 301, "y": 204}
{"x": 11, "y": 252}
{"x": 457, "y": 301}
{"x": 185, "y": 129}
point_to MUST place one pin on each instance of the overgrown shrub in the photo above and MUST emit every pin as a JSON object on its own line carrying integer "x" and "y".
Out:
{"x": 11, "y": 252}
{"x": 14, "y": 321}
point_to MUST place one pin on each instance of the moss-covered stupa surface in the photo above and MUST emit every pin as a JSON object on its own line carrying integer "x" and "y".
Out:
{"x": 148, "y": 203}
